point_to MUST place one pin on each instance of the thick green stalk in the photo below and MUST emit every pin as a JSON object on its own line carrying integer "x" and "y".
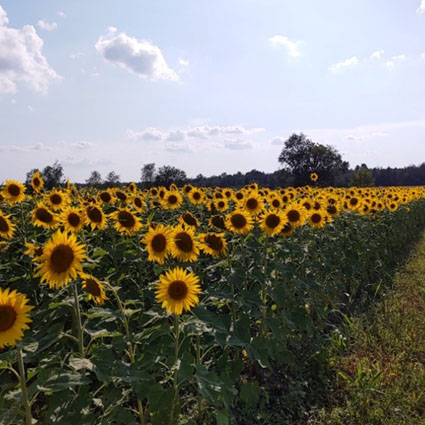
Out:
{"x": 28, "y": 416}
{"x": 176, "y": 370}
{"x": 264, "y": 289}
{"x": 78, "y": 320}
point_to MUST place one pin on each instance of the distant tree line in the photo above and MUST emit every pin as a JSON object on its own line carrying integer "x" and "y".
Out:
{"x": 298, "y": 159}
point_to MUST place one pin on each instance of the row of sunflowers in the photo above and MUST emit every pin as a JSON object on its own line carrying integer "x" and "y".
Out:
{"x": 244, "y": 277}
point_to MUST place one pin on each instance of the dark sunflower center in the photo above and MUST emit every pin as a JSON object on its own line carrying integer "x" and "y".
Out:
{"x": 239, "y": 196}
{"x": 293, "y": 216}
{"x": 316, "y": 218}
{"x": 161, "y": 194}
{"x": 56, "y": 199}
{"x": 94, "y": 214}
{"x": 196, "y": 196}
{"x": 138, "y": 202}
{"x": 172, "y": 199}
{"x": 214, "y": 242}
{"x": 184, "y": 242}
{"x": 218, "y": 222}
{"x": 14, "y": 189}
{"x": 177, "y": 290}
{"x": 126, "y": 219}
{"x": 4, "y": 226}
{"x": 74, "y": 219}
{"x": 275, "y": 203}
{"x": 354, "y": 202}
{"x": 227, "y": 194}
{"x": 7, "y": 317}
{"x": 105, "y": 197}
{"x": 158, "y": 243}
{"x": 287, "y": 228}
{"x": 221, "y": 204}
{"x": 307, "y": 205}
{"x": 189, "y": 219}
{"x": 238, "y": 221}
{"x": 36, "y": 181}
{"x": 92, "y": 287}
{"x": 43, "y": 215}
{"x": 331, "y": 209}
{"x": 272, "y": 221}
{"x": 121, "y": 196}
{"x": 61, "y": 258}
{"x": 252, "y": 204}
{"x": 154, "y": 192}
{"x": 187, "y": 189}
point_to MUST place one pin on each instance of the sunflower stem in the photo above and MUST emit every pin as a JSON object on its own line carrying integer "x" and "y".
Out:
{"x": 176, "y": 369}
{"x": 198, "y": 362}
{"x": 264, "y": 289}
{"x": 232, "y": 291}
{"x": 28, "y": 416}
{"x": 78, "y": 320}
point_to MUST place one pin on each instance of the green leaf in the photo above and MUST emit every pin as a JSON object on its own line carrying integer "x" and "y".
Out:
{"x": 223, "y": 417}
{"x": 250, "y": 393}
{"x": 160, "y": 398}
{"x": 77, "y": 363}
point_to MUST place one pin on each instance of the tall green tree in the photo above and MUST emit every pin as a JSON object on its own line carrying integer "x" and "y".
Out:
{"x": 300, "y": 156}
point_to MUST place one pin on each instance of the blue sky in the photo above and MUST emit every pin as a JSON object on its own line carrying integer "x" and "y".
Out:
{"x": 207, "y": 86}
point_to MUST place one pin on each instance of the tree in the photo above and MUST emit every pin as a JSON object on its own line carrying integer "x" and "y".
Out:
{"x": 112, "y": 178}
{"x": 148, "y": 174}
{"x": 362, "y": 177}
{"x": 95, "y": 179}
{"x": 301, "y": 157}
{"x": 53, "y": 175}
{"x": 168, "y": 174}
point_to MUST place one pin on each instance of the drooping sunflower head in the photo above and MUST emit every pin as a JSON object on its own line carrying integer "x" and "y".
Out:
{"x": 37, "y": 182}
{"x": 14, "y": 317}
{"x": 7, "y": 228}
{"x": 95, "y": 217}
{"x": 217, "y": 222}
{"x": 43, "y": 217}
{"x": 61, "y": 260}
{"x": 178, "y": 290}
{"x": 158, "y": 243}
{"x": 214, "y": 244}
{"x": 13, "y": 192}
{"x": 73, "y": 219}
{"x": 272, "y": 222}
{"x": 94, "y": 288}
{"x": 125, "y": 221}
{"x": 239, "y": 222}
{"x": 184, "y": 244}
{"x": 189, "y": 220}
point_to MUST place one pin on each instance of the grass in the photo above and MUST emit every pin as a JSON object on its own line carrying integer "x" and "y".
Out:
{"x": 380, "y": 363}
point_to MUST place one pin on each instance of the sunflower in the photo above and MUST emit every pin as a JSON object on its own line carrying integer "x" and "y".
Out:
{"x": 37, "y": 182}
{"x": 287, "y": 230}
{"x": 392, "y": 206}
{"x": 43, "y": 217}
{"x": 189, "y": 220}
{"x": 126, "y": 221}
{"x": 295, "y": 213}
{"x": 178, "y": 290}
{"x": 121, "y": 195}
{"x": 132, "y": 187}
{"x": 221, "y": 204}
{"x": 14, "y": 317}
{"x": 318, "y": 218}
{"x": 184, "y": 244}
{"x": 57, "y": 199}
{"x": 252, "y": 203}
{"x": 214, "y": 244}
{"x": 314, "y": 177}
{"x": 61, "y": 260}
{"x": 138, "y": 202}
{"x": 95, "y": 217}
{"x": 217, "y": 222}
{"x": 13, "y": 192}
{"x": 275, "y": 203}
{"x": 272, "y": 222}
{"x": 332, "y": 209}
{"x": 7, "y": 228}
{"x": 172, "y": 200}
{"x": 105, "y": 196}
{"x": 239, "y": 221}
{"x": 33, "y": 250}
{"x": 73, "y": 219}
{"x": 196, "y": 196}
{"x": 158, "y": 241}
{"x": 94, "y": 288}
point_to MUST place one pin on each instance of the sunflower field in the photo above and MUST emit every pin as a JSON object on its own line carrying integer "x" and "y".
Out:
{"x": 186, "y": 305}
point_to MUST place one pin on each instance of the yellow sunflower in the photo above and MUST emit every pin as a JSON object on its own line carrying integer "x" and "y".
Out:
{"x": 121, "y": 195}
{"x": 217, "y": 222}
{"x": 106, "y": 196}
{"x": 318, "y": 218}
{"x": 221, "y": 204}
{"x": 73, "y": 219}
{"x": 7, "y": 228}
{"x": 314, "y": 177}
{"x": 178, "y": 290}
{"x": 33, "y": 250}
{"x": 138, "y": 202}
{"x": 57, "y": 199}
{"x": 239, "y": 221}
{"x": 94, "y": 288}
{"x": 158, "y": 243}
{"x": 37, "y": 182}
{"x": 184, "y": 244}
{"x": 287, "y": 230}
{"x": 14, "y": 317}
{"x": 95, "y": 217}
{"x": 61, "y": 260}
{"x": 126, "y": 221}
{"x": 272, "y": 222}
{"x": 43, "y": 217}
{"x": 214, "y": 244}
{"x": 296, "y": 214}
{"x": 196, "y": 196}
{"x": 252, "y": 203}
{"x": 189, "y": 220}
{"x": 172, "y": 200}
{"x": 13, "y": 192}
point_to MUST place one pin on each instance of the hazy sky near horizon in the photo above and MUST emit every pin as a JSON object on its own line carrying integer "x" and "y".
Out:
{"x": 209, "y": 86}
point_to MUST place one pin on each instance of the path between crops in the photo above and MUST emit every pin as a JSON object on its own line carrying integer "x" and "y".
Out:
{"x": 381, "y": 374}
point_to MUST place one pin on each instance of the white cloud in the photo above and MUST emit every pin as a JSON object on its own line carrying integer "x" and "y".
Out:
{"x": 344, "y": 64}
{"x": 393, "y": 61}
{"x": 138, "y": 56}
{"x": 149, "y": 134}
{"x": 278, "y": 141}
{"x": 76, "y": 55}
{"x": 421, "y": 8}
{"x": 30, "y": 108}
{"x": 377, "y": 55}
{"x": 353, "y": 137}
{"x": 61, "y": 13}
{"x": 178, "y": 148}
{"x": 30, "y": 148}
{"x": 206, "y": 131}
{"x": 183, "y": 62}
{"x": 82, "y": 145}
{"x": 21, "y": 59}
{"x": 47, "y": 26}
{"x": 176, "y": 136}
{"x": 237, "y": 144}
{"x": 292, "y": 46}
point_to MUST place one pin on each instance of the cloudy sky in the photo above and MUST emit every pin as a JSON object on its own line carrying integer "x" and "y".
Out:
{"x": 209, "y": 86}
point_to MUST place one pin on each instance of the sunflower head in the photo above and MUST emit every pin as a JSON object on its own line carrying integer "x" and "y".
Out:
{"x": 43, "y": 217}
{"x": 125, "y": 221}
{"x": 37, "y": 182}
{"x": 13, "y": 192}
{"x": 7, "y": 228}
{"x": 214, "y": 244}
{"x": 57, "y": 199}
{"x": 189, "y": 220}
{"x": 94, "y": 288}
{"x": 73, "y": 219}
{"x": 95, "y": 216}
{"x": 184, "y": 244}
{"x": 272, "y": 222}
{"x": 158, "y": 243}
{"x": 314, "y": 177}
{"x": 239, "y": 222}
{"x": 178, "y": 290}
